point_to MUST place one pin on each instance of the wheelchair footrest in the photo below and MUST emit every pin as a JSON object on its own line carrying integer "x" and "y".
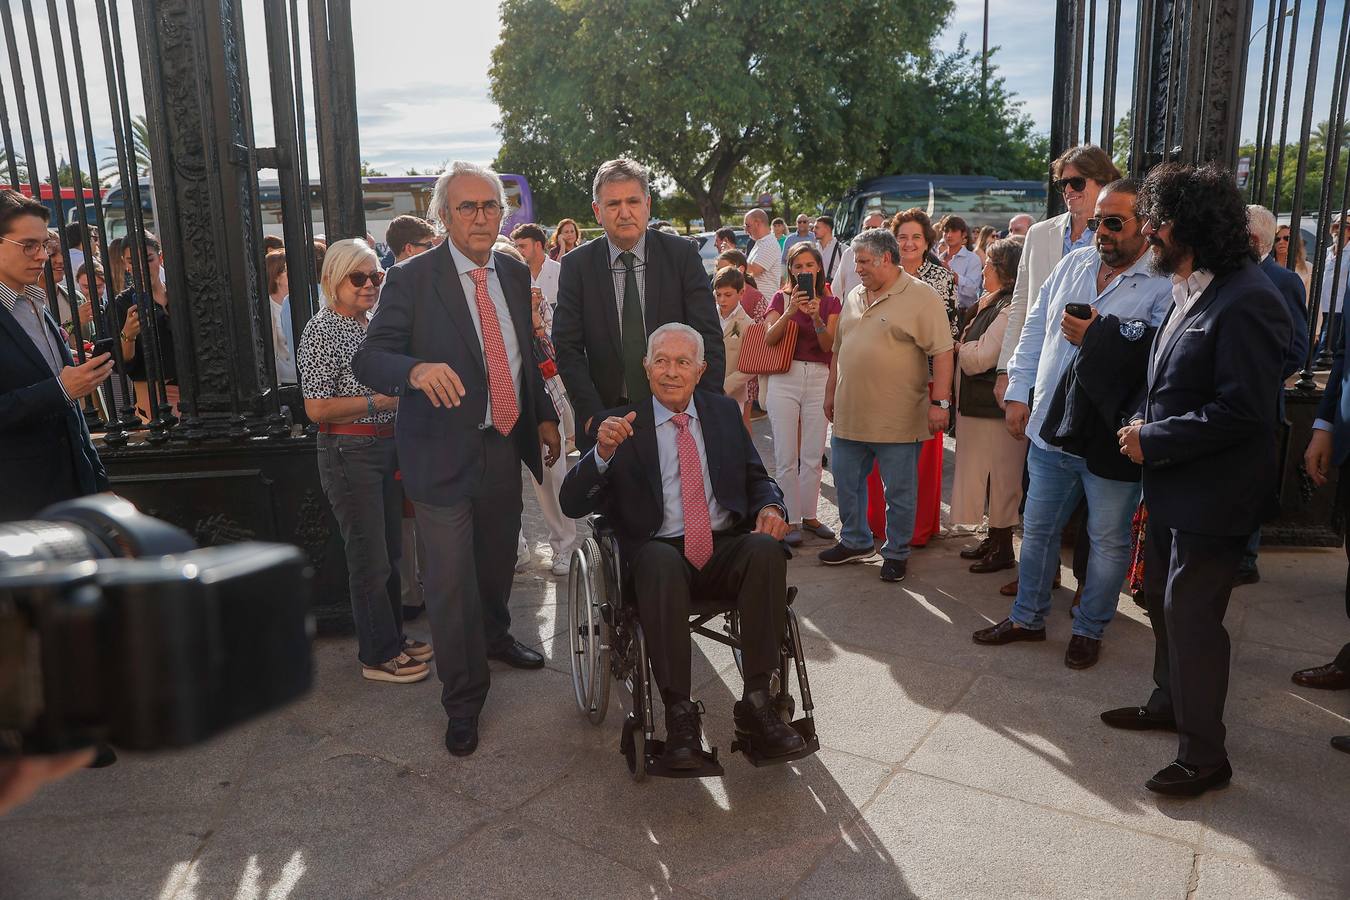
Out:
{"x": 804, "y": 726}
{"x": 711, "y": 768}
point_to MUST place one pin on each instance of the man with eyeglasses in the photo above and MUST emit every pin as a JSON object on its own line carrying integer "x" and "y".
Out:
{"x": 452, "y": 339}
{"x": 613, "y": 293}
{"x": 45, "y": 448}
{"x": 1115, "y": 282}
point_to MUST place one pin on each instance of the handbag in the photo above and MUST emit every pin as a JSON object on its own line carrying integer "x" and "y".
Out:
{"x": 758, "y": 358}
{"x": 976, "y": 398}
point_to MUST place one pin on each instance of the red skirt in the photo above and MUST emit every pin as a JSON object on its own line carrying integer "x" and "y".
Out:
{"x": 928, "y": 514}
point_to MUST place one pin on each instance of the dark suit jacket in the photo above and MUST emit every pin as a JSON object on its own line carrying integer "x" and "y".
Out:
{"x": 1295, "y": 297}
{"x": 46, "y": 453}
{"x": 424, "y": 317}
{"x": 1335, "y": 405}
{"x": 1209, "y": 439}
{"x": 629, "y": 491}
{"x": 586, "y": 320}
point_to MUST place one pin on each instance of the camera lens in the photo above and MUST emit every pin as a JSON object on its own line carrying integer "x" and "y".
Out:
{"x": 98, "y": 527}
{"x": 37, "y": 541}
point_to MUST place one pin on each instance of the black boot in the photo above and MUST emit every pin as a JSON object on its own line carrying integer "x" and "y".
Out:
{"x": 683, "y": 736}
{"x": 1000, "y": 554}
{"x": 757, "y": 723}
{"x": 977, "y": 551}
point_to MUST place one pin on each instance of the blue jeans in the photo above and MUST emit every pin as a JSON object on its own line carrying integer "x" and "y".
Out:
{"x": 851, "y": 464}
{"x": 1058, "y": 482}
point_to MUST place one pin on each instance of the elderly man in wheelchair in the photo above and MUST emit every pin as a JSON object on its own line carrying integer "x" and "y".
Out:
{"x": 695, "y": 515}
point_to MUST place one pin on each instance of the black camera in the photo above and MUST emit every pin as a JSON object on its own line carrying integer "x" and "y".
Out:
{"x": 115, "y": 627}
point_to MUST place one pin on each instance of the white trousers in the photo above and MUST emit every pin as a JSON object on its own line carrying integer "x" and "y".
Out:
{"x": 795, "y": 403}
{"x": 562, "y": 531}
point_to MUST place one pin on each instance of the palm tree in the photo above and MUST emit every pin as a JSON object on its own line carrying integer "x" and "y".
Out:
{"x": 19, "y": 163}
{"x": 140, "y": 152}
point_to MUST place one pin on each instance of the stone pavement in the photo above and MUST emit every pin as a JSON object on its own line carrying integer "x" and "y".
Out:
{"x": 946, "y": 770}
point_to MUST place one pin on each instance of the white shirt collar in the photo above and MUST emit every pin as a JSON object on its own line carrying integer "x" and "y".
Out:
{"x": 464, "y": 265}
{"x": 664, "y": 414}
{"x": 1185, "y": 290}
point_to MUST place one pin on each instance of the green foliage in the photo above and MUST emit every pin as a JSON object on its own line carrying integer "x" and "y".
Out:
{"x": 1280, "y": 184}
{"x": 697, "y": 90}
{"x": 369, "y": 171}
{"x": 140, "y": 152}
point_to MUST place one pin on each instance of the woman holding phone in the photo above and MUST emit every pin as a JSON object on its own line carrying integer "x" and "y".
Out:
{"x": 795, "y": 399}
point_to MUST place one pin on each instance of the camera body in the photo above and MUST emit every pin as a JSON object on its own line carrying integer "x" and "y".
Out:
{"x": 113, "y": 627}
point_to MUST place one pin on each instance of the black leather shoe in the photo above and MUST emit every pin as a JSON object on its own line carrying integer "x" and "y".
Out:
{"x": 1082, "y": 652}
{"x": 684, "y": 742}
{"x": 518, "y": 656}
{"x": 977, "y": 551}
{"x": 1006, "y": 632}
{"x": 461, "y": 736}
{"x": 1181, "y": 780}
{"x": 1341, "y": 742}
{"x": 104, "y": 756}
{"x": 757, "y": 721}
{"x": 1327, "y": 678}
{"x": 1138, "y": 718}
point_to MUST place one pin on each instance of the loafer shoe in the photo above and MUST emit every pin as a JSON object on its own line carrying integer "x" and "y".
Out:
{"x": 839, "y": 554}
{"x": 1007, "y": 632}
{"x": 461, "y": 736}
{"x": 893, "y": 570}
{"x": 1181, "y": 780}
{"x": 820, "y": 530}
{"x": 794, "y": 538}
{"x": 1138, "y": 718}
{"x": 518, "y": 656}
{"x": 1328, "y": 678}
{"x": 1082, "y": 652}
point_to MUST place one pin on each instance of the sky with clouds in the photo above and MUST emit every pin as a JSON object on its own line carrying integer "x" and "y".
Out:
{"x": 422, "y": 70}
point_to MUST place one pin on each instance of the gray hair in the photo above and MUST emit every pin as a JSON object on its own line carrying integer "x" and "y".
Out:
{"x": 675, "y": 328}
{"x": 440, "y": 196}
{"x": 877, "y": 241}
{"x": 1262, "y": 226}
{"x": 616, "y": 170}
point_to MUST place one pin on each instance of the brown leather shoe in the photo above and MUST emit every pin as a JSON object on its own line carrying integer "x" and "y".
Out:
{"x": 1082, "y": 652}
{"x": 1006, "y": 632}
{"x": 1328, "y": 678}
{"x": 1010, "y": 589}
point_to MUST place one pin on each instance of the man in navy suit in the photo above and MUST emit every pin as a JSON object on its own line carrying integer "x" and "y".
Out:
{"x": 615, "y": 291}
{"x": 1262, "y": 227}
{"x": 696, "y": 515}
{"x": 45, "y": 449}
{"x": 1206, "y": 438}
{"x": 452, "y": 339}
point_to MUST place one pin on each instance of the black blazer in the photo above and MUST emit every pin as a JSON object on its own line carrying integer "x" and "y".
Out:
{"x": 1291, "y": 289}
{"x": 629, "y": 491}
{"x": 424, "y": 317}
{"x": 1209, "y": 439}
{"x": 586, "y": 320}
{"x": 46, "y": 453}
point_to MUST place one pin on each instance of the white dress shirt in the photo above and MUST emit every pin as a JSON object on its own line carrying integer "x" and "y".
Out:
{"x": 1185, "y": 291}
{"x": 672, "y": 522}
{"x": 464, "y": 265}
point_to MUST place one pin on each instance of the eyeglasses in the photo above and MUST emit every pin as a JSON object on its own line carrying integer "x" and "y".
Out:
{"x": 425, "y": 245}
{"x": 359, "y": 279}
{"x": 1075, "y": 182}
{"x": 1112, "y": 223}
{"x": 31, "y": 248}
{"x": 491, "y": 209}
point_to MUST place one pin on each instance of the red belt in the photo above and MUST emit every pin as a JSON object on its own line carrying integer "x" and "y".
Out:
{"x": 381, "y": 431}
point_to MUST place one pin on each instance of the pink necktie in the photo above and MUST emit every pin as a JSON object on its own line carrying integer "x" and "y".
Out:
{"x": 698, "y": 539}
{"x": 501, "y": 389}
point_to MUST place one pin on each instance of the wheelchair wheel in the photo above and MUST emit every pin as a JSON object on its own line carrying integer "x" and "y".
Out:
{"x": 588, "y": 635}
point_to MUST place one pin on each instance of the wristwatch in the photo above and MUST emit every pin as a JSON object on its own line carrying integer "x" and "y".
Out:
{"x": 941, "y": 404}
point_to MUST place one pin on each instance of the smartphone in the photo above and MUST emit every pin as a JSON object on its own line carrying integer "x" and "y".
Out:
{"x": 102, "y": 345}
{"x": 806, "y": 283}
{"x": 1078, "y": 310}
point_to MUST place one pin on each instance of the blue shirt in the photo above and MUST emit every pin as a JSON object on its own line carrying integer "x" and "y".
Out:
{"x": 1084, "y": 239}
{"x": 1043, "y": 354}
{"x": 969, "y": 281}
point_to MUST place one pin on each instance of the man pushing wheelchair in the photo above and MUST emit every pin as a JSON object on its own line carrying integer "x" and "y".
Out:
{"x": 696, "y": 515}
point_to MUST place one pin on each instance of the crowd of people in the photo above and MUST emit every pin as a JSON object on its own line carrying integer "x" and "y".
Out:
{"x": 1113, "y": 374}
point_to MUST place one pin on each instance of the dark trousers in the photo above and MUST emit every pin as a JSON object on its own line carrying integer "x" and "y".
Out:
{"x": 1343, "y": 499}
{"x": 357, "y": 474}
{"x": 470, "y": 561}
{"x": 747, "y": 572}
{"x": 1187, "y": 580}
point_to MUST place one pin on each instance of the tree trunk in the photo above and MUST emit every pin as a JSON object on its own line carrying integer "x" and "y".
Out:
{"x": 711, "y": 211}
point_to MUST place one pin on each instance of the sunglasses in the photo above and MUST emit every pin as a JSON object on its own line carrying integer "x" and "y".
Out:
{"x": 359, "y": 279}
{"x": 1112, "y": 223}
{"x": 1282, "y": 239}
{"x": 1075, "y": 183}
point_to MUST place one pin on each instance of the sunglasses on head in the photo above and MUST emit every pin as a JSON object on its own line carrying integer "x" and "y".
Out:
{"x": 1075, "y": 183}
{"x": 359, "y": 279}
{"x": 1112, "y": 223}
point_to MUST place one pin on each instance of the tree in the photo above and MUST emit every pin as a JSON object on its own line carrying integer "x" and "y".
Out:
{"x": 140, "y": 153}
{"x": 696, "y": 90}
{"x": 369, "y": 171}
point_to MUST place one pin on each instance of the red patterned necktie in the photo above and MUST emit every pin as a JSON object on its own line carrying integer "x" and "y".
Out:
{"x": 501, "y": 388}
{"x": 698, "y": 539}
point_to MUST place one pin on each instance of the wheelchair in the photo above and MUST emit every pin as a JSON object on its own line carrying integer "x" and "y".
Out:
{"x": 606, "y": 642}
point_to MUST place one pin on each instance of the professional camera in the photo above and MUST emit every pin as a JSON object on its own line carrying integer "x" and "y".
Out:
{"x": 114, "y": 627}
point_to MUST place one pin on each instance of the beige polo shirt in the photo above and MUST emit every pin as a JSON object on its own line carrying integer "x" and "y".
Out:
{"x": 881, "y": 352}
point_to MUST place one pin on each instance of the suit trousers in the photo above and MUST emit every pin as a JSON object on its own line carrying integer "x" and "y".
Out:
{"x": 1187, "y": 581}
{"x": 470, "y": 562}
{"x": 747, "y": 572}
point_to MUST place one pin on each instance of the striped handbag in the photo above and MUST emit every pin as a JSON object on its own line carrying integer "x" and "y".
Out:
{"x": 758, "y": 358}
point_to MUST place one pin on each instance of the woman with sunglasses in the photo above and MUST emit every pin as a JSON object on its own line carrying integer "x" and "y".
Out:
{"x": 357, "y": 461}
{"x": 1300, "y": 266}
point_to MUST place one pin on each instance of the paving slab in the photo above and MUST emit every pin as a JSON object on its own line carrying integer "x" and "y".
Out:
{"x": 1222, "y": 878}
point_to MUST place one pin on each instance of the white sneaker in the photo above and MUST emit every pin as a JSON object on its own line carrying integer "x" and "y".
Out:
{"x": 561, "y": 565}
